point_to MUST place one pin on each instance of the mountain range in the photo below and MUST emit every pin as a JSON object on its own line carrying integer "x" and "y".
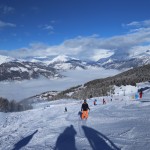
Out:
{"x": 48, "y": 67}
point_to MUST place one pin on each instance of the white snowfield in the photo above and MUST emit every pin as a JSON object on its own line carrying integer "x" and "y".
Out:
{"x": 123, "y": 123}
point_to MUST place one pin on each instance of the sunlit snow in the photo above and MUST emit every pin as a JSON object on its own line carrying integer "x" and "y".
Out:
{"x": 120, "y": 124}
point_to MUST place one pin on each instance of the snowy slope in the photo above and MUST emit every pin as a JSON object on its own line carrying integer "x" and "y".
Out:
{"x": 122, "y": 123}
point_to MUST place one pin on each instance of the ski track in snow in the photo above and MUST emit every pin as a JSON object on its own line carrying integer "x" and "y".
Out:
{"x": 120, "y": 124}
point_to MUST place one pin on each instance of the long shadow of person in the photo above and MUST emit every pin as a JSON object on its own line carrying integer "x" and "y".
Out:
{"x": 66, "y": 140}
{"x": 97, "y": 140}
{"x": 24, "y": 141}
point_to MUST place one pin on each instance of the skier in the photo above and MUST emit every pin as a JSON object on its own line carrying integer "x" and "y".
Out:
{"x": 104, "y": 102}
{"x": 84, "y": 109}
{"x": 95, "y": 102}
{"x": 140, "y": 94}
{"x": 65, "y": 109}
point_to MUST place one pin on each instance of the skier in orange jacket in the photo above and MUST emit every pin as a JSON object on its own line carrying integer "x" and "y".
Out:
{"x": 84, "y": 109}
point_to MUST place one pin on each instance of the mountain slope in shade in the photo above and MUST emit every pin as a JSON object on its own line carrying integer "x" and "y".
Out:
{"x": 26, "y": 70}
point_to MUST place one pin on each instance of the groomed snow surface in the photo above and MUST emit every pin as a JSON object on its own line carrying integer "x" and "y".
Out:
{"x": 123, "y": 123}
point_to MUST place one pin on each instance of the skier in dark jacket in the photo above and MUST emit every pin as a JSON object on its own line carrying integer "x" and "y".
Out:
{"x": 84, "y": 109}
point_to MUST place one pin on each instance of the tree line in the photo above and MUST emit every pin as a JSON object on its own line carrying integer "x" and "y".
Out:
{"x": 12, "y": 106}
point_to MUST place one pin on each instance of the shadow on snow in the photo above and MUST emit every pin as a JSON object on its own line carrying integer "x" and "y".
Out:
{"x": 97, "y": 140}
{"x": 24, "y": 141}
{"x": 66, "y": 140}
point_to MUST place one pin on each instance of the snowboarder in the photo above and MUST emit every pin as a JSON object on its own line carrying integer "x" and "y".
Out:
{"x": 84, "y": 109}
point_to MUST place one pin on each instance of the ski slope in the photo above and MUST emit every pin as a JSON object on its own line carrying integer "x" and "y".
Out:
{"x": 122, "y": 123}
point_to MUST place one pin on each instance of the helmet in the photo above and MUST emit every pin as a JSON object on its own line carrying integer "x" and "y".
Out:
{"x": 85, "y": 101}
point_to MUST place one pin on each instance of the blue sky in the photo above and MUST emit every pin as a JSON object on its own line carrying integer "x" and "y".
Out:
{"x": 72, "y": 27}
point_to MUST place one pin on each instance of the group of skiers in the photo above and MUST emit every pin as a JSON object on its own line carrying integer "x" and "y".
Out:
{"x": 85, "y": 108}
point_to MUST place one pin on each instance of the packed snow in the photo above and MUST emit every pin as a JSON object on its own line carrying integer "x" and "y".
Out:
{"x": 120, "y": 124}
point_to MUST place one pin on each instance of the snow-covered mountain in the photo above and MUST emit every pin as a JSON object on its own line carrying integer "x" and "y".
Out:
{"x": 125, "y": 61}
{"x": 34, "y": 67}
{"x": 43, "y": 59}
{"x": 15, "y": 70}
{"x": 64, "y": 62}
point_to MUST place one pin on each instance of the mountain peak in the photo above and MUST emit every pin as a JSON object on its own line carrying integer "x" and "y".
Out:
{"x": 62, "y": 58}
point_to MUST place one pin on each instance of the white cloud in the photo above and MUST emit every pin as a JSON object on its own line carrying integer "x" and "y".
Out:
{"x": 48, "y": 27}
{"x": 91, "y": 47}
{"x": 138, "y": 24}
{"x": 139, "y": 50}
{"x": 4, "y": 9}
{"x": 101, "y": 53}
{"x": 6, "y": 24}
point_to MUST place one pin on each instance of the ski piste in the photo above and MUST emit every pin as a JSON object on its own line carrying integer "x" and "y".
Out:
{"x": 122, "y": 123}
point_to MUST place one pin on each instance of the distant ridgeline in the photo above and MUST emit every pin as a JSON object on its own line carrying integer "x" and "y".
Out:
{"x": 103, "y": 87}
{"x": 12, "y": 106}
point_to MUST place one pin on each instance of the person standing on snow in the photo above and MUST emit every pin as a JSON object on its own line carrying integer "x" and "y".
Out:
{"x": 65, "y": 109}
{"x": 95, "y": 102}
{"x": 84, "y": 109}
{"x": 104, "y": 102}
{"x": 141, "y": 94}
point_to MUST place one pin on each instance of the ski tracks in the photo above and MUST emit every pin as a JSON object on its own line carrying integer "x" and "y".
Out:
{"x": 80, "y": 130}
